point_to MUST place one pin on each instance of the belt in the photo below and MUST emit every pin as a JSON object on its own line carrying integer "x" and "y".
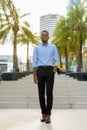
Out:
{"x": 45, "y": 67}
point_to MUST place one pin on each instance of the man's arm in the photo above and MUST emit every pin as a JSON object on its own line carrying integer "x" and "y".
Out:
{"x": 55, "y": 59}
{"x": 34, "y": 66}
{"x": 35, "y": 75}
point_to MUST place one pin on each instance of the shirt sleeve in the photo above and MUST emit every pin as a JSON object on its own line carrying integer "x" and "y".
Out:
{"x": 34, "y": 60}
{"x": 56, "y": 56}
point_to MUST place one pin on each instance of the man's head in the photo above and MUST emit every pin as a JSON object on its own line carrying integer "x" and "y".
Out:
{"x": 44, "y": 36}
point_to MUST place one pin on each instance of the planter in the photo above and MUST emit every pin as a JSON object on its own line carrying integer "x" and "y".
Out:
{"x": 78, "y": 75}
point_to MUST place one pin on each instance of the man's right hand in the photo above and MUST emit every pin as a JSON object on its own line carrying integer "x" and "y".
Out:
{"x": 35, "y": 75}
{"x": 35, "y": 79}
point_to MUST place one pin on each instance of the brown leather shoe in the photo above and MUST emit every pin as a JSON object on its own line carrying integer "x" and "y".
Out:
{"x": 47, "y": 119}
{"x": 43, "y": 118}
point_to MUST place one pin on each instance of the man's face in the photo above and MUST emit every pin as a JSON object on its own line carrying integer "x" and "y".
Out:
{"x": 44, "y": 37}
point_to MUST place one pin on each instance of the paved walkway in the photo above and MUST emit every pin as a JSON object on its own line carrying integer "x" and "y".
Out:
{"x": 29, "y": 119}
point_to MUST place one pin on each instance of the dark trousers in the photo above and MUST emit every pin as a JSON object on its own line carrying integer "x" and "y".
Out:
{"x": 45, "y": 88}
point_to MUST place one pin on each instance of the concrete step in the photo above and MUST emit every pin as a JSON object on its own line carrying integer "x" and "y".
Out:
{"x": 56, "y": 105}
{"x": 13, "y": 105}
{"x": 6, "y": 98}
{"x": 19, "y": 92}
{"x": 60, "y": 92}
{"x": 19, "y": 105}
{"x": 68, "y": 93}
{"x": 70, "y": 98}
{"x": 69, "y": 105}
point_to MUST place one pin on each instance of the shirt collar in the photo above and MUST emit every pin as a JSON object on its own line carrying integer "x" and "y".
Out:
{"x": 44, "y": 44}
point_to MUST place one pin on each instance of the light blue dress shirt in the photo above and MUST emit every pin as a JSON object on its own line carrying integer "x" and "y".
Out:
{"x": 45, "y": 55}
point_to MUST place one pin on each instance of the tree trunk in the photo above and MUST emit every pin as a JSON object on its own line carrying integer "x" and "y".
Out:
{"x": 15, "y": 58}
{"x": 60, "y": 61}
{"x": 66, "y": 56}
{"x": 28, "y": 68}
{"x": 79, "y": 67}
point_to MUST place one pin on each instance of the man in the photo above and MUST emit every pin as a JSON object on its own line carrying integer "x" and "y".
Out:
{"x": 45, "y": 62}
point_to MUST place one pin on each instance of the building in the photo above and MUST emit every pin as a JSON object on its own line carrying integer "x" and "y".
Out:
{"x": 48, "y": 22}
{"x": 6, "y": 63}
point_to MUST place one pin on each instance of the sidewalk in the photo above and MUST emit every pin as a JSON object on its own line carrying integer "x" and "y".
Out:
{"x": 29, "y": 119}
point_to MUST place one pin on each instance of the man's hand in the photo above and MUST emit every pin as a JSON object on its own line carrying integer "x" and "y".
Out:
{"x": 55, "y": 68}
{"x": 35, "y": 79}
{"x": 35, "y": 75}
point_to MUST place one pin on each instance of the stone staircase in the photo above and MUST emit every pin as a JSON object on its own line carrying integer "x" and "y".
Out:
{"x": 70, "y": 93}
{"x": 23, "y": 93}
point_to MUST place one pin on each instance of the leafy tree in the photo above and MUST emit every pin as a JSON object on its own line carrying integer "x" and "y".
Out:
{"x": 10, "y": 22}
{"x": 70, "y": 34}
{"x": 61, "y": 39}
{"x": 77, "y": 22}
{"x": 26, "y": 36}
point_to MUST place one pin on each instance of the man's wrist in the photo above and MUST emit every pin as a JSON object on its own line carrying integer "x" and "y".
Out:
{"x": 34, "y": 75}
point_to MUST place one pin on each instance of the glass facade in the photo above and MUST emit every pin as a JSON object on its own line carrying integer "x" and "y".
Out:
{"x": 6, "y": 63}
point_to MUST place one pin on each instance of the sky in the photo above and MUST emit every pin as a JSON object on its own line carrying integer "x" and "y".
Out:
{"x": 36, "y": 9}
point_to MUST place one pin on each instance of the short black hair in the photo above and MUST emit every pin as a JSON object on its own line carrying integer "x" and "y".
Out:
{"x": 45, "y": 31}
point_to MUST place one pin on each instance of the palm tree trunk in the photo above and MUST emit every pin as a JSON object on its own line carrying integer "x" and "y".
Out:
{"x": 27, "y": 65}
{"x": 79, "y": 67}
{"x": 66, "y": 55}
{"x": 60, "y": 61}
{"x": 15, "y": 58}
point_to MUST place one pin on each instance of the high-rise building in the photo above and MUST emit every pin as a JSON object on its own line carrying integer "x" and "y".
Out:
{"x": 48, "y": 22}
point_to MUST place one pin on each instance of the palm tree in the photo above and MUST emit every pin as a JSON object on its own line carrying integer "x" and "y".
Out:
{"x": 71, "y": 33}
{"x": 11, "y": 17}
{"x": 10, "y": 22}
{"x": 61, "y": 39}
{"x": 77, "y": 22}
{"x": 26, "y": 37}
